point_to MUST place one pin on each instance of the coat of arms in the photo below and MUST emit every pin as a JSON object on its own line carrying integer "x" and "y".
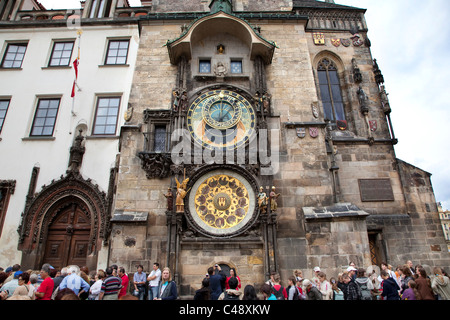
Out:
{"x": 314, "y": 132}
{"x": 319, "y": 38}
{"x": 357, "y": 40}
{"x": 346, "y": 42}
{"x": 341, "y": 124}
{"x": 301, "y": 133}
{"x": 373, "y": 125}
{"x": 336, "y": 42}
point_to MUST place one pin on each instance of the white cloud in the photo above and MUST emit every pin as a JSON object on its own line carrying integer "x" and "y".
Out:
{"x": 411, "y": 40}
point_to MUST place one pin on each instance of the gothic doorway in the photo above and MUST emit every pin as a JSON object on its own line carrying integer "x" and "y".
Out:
{"x": 68, "y": 238}
{"x": 377, "y": 254}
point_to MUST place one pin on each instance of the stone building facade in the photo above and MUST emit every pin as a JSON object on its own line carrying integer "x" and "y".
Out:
{"x": 304, "y": 73}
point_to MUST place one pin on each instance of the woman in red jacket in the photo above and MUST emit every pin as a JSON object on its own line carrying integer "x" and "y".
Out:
{"x": 233, "y": 274}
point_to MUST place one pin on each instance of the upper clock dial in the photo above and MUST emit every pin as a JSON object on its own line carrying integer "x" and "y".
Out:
{"x": 221, "y": 119}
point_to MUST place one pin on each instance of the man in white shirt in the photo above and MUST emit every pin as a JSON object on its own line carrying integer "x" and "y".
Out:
{"x": 154, "y": 278}
{"x": 74, "y": 282}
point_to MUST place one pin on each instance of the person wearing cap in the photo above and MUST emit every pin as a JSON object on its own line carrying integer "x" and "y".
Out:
{"x": 311, "y": 292}
{"x": 9, "y": 274}
{"x": 315, "y": 279}
{"x": 351, "y": 271}
{"x": 12, "y": 270}
{"x": 13, "y": 284}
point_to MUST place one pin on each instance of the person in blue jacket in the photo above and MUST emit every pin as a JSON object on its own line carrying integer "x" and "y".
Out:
{"x": 390, "y": 287}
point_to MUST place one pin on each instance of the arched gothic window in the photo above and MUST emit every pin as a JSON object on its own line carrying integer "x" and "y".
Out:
{"x": 330, "y": 90}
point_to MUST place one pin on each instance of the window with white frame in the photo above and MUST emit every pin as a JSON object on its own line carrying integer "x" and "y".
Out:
{"x": 106, "y": 116}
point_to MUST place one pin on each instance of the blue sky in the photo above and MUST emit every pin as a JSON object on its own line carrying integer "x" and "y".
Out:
{"x": 411, "y": 42}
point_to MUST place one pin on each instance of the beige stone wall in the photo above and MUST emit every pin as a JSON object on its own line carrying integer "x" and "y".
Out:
{"x": 262, "y": 5}
{"x": 304, "y": 178}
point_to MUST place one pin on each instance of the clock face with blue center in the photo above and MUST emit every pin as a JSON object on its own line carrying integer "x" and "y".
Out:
{"x": 221, "y": 119}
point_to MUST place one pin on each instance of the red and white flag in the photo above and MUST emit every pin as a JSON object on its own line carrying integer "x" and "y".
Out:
{"x": 75, "y": 66}
{"x": 76, "y": 63}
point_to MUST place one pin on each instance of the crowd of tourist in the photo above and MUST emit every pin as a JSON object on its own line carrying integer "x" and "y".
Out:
{"x": 74, "y": 283}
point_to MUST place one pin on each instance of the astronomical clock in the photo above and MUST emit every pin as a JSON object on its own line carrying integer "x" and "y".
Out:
{"x": 221, "y": 202}
{"x": 221, "y": 119}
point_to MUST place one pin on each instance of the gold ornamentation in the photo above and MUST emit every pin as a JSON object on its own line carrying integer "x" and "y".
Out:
{"x": 221, "y": 119}
{"x": 222, "y": 201}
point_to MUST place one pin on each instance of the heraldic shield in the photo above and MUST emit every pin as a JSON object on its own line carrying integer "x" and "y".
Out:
{"x": 314, "y": 132}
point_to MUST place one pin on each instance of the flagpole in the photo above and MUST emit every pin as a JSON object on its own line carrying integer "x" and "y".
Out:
{"x": 76, "y": 63}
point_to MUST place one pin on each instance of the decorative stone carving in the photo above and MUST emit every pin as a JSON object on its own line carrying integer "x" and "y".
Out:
{"x": 76, "y": 153}
{"x": 93, "y": 202}
{"x": 181, "y": 194}
{"x": 273, "y": 199}
{"x": 220, "y": 69}
{"x": 362, "y": 97}
{"x": 159, "y": 114}
{"x": 156, "y": 165}
{"x": 262, "y": 200}
{"x": 357, "y": 76}
{"x": 169, "y": 197}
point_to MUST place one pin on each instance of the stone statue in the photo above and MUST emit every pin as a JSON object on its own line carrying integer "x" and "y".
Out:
{"x": 273, "y": 199}
{"x": 181, "y": 193}
{"x": 362, "y": 97}
{"x": 258, "y": 100}
{"x": 169, "y": 197}
{"x": 262, "y": 200}
{"x": 220, "y": 69}
{"x": 266, "y": 101}
{"x": 385, "y": 100}
{"x": 184, "y": 101}
{"x": 176, "y": 100}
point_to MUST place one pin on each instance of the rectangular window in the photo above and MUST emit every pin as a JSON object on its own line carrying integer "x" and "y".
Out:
{"x": 117, "y": 52}
{"x": 160, "y": 138}
{"x": 204, "y": 66}
{"x": 61, "y": 54}
{"x": 236, "y": 66}
{"x": 106, "y": 116}
{"x": 4, "y": 104}
{"x": 14, "y": 55}
{"x": 45, "y": 117}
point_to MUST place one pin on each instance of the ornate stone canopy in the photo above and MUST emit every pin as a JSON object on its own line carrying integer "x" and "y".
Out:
{"x": 220, "y": 22}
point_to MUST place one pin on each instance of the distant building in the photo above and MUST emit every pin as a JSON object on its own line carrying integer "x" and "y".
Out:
{"x": 58, "y": 153}
{"x": 445, "y": 221}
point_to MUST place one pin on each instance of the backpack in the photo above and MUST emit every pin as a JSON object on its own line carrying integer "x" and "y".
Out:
{"x": 278, "y": 293}
{"x": 365, "y": 292}
{"x": 296, "y": 293}
{"x": 230, "y": 296}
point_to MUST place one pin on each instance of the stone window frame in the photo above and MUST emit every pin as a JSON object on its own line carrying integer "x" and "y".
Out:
{"x": 344, "y": 85}
{"x": 328, "y": 65}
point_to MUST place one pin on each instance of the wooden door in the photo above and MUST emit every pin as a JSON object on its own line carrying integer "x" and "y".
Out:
{"x": 68, "y": 238}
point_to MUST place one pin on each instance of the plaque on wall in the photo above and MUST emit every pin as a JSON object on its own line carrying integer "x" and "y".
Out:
{"x": 372, "y": 190}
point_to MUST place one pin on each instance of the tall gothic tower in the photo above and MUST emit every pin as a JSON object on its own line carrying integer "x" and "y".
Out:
{"x": 261, "y": 140}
